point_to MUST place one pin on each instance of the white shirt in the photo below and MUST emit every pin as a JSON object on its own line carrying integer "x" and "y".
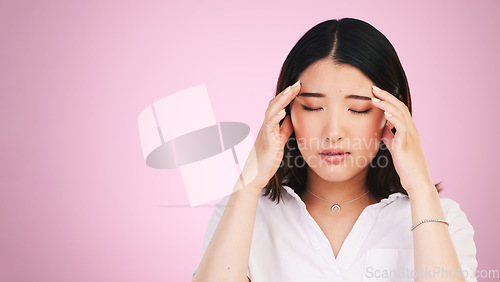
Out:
{"x": 288, "y": 244}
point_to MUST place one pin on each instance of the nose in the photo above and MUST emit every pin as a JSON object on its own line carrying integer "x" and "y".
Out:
{"x": 334, "y": 126}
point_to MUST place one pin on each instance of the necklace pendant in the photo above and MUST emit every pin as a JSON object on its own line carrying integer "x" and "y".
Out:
{"x": 336, "y": 208}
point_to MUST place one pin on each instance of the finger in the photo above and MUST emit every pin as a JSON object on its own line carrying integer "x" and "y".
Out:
{"x": 389, "y": 124}
{"x": 387, "y": 137}
{"x": 401, "y": 128}
{"x": 388, "y": 97}
{"x": 393, "y": 106}
{"x": 388, "y": 108}
{"x": 396, "y": 122}
{"x": 273, "y": 122}
{"x": 393, "y": 115}
{"x": 283, "y": 99}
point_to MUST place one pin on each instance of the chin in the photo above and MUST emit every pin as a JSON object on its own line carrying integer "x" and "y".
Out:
{"x": 332, "y": 173}
{"x": 336, "y": 177}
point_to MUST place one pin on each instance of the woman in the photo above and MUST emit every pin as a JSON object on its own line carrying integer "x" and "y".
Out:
{"x": 337, "y": 177}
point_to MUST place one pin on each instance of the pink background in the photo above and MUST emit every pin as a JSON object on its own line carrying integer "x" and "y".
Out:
{"x": 77, "y": 201}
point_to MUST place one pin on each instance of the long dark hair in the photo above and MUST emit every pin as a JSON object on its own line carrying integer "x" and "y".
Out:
{"x": 359, "y": 44}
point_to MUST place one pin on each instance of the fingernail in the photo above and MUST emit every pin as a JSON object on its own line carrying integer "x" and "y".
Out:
{"x": 387, "y": 114}
{"x": 296, "y": 84}
{"x": 375, "y": 99}
{"x": 376, "y": 88}
{"x": 281, "y": 112}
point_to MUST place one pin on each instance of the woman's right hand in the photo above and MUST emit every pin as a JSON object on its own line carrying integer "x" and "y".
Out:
{"x": 267, "y": 152}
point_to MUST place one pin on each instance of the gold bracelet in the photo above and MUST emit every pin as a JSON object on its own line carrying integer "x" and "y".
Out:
{"x": 429, "y": 220}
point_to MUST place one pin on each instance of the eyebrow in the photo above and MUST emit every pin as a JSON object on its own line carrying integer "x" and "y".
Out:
{"x": 321, "y": 95}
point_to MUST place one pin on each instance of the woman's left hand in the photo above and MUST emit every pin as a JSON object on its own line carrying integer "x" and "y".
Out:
{"x": 404, "y": 146}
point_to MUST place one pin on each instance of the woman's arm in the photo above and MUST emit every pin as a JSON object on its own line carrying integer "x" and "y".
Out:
{"x": 227, "y": 254}
{"x": 435, "y": 255}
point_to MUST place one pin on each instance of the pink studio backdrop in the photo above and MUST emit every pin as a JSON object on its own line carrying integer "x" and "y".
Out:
{"x": 77, "y": 201}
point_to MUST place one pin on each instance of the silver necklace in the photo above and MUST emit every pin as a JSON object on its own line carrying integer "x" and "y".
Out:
{"x": 336, "y": 206}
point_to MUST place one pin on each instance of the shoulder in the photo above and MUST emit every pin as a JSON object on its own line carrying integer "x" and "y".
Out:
{"x": 397, "y": 200}
{"x": 289, "y": 202}
{"x": 462, "y": 234}
{"x": 264, "y": 203}
{"x": 449, "y": 204}
{"x": 287, "y": 213}
{"x": 267, "y": 212}
{"x": 456, "y": 217}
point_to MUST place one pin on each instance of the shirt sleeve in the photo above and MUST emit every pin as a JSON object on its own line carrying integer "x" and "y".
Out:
{"x": 211, "y": 226}
{"x": 462, "y": 235}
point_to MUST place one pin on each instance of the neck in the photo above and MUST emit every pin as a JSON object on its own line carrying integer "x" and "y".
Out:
{"x": 342, "y": 191}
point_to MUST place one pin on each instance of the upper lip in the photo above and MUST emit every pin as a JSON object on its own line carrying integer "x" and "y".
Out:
{"x": 333, "y": 151}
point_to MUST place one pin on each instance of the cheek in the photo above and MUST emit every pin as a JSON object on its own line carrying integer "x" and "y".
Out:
{"x": 374, "y": 125}
{"x": 298, "y": 121}
{"x": 370, "y": 133}
{"x": 303, "y": 132}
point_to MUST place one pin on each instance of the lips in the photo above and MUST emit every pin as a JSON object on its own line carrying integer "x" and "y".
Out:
{"x": 333, "y": 152}
{"x": 334, "y": 155}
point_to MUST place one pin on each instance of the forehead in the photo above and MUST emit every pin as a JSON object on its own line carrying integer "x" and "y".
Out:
{"x": 328, "y": 77}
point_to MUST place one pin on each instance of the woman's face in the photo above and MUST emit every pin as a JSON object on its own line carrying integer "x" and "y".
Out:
{"x": 344, "y": 113}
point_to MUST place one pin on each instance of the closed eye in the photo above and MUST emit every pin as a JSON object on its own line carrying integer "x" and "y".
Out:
{"x": 360, "y": 112}
{"x": 309, "y": 109}
{"x": 353, "y": 111}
